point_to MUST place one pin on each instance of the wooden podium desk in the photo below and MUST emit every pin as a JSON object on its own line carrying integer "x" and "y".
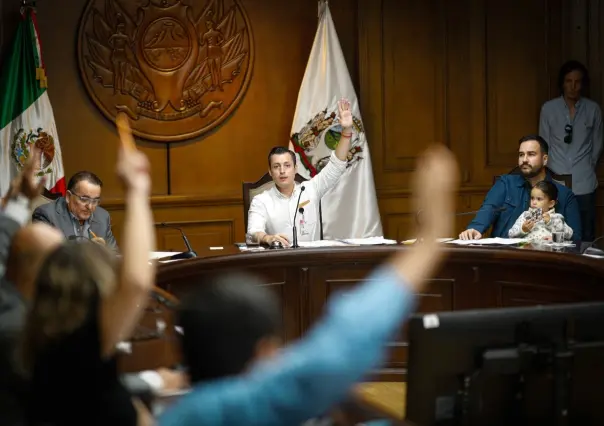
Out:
{"x": 471, "y": 277}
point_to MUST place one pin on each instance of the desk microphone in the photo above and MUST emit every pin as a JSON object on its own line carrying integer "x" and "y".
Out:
{"x": 497, "y": 210}
{"x": 588, "y": 248}
{"x": 185, "y": 254}
{"x": 295, "y": 239}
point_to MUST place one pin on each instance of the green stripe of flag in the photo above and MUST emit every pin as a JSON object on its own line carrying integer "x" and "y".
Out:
{"x": 19, "y": 87}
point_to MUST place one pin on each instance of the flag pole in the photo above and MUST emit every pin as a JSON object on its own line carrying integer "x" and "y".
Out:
{"x": 27, "y": 5}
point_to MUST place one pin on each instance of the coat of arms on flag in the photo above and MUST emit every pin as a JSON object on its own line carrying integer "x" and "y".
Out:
{"x": 324, "y": 131}
{"x": 23, "y": 142}
{"x": 349, "y": 210}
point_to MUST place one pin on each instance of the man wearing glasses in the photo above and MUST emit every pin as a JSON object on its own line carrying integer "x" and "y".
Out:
{"x": 78, "y": 214}
{"x": 572, "y": 126}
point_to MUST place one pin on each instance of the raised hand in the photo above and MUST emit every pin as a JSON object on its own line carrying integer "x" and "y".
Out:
{"x": 132, "y": 165}
{"x": 435, "y": 184}
{"x": 345, "y": 113}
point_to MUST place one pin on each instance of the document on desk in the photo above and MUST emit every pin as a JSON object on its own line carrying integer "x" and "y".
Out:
{"x": 370, "y": 241}
{"x": 489, "y": 242}
{"x": 321, "y": 243}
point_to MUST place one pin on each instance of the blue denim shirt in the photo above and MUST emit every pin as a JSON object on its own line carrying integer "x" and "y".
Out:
{"x": 312, "y": 375}
{"x": 512, "y": 193}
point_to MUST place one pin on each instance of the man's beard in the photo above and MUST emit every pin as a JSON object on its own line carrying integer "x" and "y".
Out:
{"x": 531, "y": 171}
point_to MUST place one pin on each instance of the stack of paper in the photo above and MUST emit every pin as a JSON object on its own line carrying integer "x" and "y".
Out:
{"x": 160, "y": 254}
{"x": 321, "y": 243}
{"x": 490, "y": 241}
{"x": 371, "y": 241}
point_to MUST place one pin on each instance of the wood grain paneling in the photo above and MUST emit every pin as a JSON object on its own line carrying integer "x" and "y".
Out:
{"x": 471, "y": 73}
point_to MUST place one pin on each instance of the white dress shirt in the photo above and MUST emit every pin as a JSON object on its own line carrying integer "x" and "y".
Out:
{"x": 273, "y": 213}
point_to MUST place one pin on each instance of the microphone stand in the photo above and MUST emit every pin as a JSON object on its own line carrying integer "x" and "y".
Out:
{"x": 189, "y": 254}
{"x": 294, "y": 228}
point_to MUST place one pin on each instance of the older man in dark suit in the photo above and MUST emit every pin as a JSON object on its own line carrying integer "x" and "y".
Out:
{"x": 78, "y": 215}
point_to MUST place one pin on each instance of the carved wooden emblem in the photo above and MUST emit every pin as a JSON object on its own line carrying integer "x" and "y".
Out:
{"x": 178, "y": 68}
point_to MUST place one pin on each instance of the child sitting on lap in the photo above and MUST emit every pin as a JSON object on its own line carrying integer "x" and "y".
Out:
{"x": 541, "y": 219}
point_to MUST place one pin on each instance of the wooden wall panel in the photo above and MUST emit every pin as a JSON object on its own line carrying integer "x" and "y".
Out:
{"x": 414, "y": 77}
{"x": 471, "y": 74}
{"x": 514, "y": 91}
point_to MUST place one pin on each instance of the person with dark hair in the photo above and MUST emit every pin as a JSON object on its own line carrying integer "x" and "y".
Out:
{"x": 540, "y": 221}
{"x": 510, "y": 195}
{"x": 78, "y": 214}
{"x": 319, "y": 370}
{"x": 572, "y": 125}
{"x": 85, "y": 302}
{"x": 271, "y": 213}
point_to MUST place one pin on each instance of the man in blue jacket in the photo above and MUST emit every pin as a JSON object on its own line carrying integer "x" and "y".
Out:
{"x": 510, "y": 195}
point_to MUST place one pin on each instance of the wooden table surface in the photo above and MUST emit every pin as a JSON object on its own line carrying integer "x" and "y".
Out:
{"x": 385, "y": 397}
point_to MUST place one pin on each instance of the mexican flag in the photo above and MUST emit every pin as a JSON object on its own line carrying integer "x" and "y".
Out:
{"x": 350, "y": 209}
{"x": 26, "y": 117}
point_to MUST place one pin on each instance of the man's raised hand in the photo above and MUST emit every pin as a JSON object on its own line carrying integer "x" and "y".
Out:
{"x": 345, "y": 113}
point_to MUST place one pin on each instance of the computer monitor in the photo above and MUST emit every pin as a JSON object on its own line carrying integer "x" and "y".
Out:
{"x": 509, "y": 366}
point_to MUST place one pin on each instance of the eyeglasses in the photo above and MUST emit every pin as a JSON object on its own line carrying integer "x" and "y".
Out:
{"x": 569, "y": 133}
{"x": 86, "y": 200}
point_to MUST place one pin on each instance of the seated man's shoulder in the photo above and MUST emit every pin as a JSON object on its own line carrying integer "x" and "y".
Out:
{"x": 264, "y": 197}
{"x": 511, "y": 180}
{"x": 563, "y": 190}
{"x": 47, "y": 207}
{"x": 101, "y": 214}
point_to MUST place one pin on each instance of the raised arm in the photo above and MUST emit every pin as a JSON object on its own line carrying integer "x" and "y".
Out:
{"x": 121, "y": 311}
{"x": 320, "y": 369}
{"x": 331, "y": 173}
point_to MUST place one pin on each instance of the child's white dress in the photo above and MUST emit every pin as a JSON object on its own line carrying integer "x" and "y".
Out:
{"x": 541, "y": 230}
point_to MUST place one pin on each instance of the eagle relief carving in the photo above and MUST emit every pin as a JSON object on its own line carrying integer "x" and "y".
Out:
{"x": 178, "y": 68}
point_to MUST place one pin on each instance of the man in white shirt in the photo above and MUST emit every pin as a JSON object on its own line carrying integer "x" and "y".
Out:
{"x": 271, "y": 213}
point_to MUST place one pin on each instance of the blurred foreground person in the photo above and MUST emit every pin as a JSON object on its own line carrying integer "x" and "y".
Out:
{"x": 84, "y": 304}
{"x": 314, "y": 374}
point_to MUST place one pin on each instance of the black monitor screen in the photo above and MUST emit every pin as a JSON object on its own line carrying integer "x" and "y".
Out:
{"x": 508, "y": 366}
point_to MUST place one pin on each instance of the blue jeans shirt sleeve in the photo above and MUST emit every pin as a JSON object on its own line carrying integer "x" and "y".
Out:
{"x": 312, "y": 375}
{"x": 486, "y": 215}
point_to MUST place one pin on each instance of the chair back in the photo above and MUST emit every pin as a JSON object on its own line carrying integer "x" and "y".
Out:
{"x": 251, "y": 189}
{"x": 44, "y": 198}
{"x": 565, "y": 180}
{"x": 154, "y": 343}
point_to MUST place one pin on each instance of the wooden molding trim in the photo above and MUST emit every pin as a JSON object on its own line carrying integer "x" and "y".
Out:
{"x": 407, "y": 193}
{"x": 180, "y": 201}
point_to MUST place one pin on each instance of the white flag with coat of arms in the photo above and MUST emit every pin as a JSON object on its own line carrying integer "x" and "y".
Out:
{"x": 350, "y": 209}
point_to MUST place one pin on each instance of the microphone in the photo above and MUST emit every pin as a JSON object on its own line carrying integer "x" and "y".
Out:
{"x": 189, "y": 254}
{"x": 496, "y": 210}
{"x": 295, "y": 239}
{"x": 588, "y": 248}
